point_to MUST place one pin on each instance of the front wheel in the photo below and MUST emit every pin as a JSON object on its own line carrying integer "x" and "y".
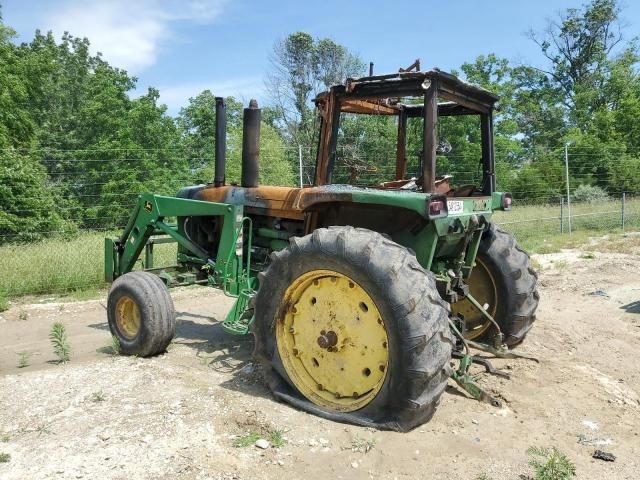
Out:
{"x": 141, "y": 314}
{"x": 349, "y": 326}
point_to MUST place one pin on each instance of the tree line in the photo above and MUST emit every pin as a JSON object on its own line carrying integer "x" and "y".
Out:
{"x": 76, "y": 148}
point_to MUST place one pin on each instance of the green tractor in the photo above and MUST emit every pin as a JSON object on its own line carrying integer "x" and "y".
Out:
{"x": 358, "y": 297}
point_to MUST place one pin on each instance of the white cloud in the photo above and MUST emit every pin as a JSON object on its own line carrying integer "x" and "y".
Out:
{"x": 243, "y": 89}
{"x": 130, "y": 33}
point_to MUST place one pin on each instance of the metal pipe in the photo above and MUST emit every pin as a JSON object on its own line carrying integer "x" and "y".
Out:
{"x": 251, "y": 145}
{"x": 221, "y": 142}
{"x": 566, "y": 166}
{"x": 371, "y": 69}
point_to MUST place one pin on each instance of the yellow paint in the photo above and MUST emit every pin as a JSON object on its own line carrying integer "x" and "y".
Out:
{"x": 332, "y": 340}
{"x": 482, "y": 287}
{"x": 128, "y": 317}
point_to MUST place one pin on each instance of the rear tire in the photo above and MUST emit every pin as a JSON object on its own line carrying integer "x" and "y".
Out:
{"x": 141, "y": 314}
{"x": 413, "y": 317}
{"x": 515, "y": 286}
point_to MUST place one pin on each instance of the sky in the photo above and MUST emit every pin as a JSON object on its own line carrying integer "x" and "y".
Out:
{"x": 182, "y": 47}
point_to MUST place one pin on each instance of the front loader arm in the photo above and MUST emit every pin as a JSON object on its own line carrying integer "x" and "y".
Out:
{"x": 148, "y": 218}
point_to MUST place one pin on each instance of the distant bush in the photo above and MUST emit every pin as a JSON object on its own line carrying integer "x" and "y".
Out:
{"x": 589, "y": 193}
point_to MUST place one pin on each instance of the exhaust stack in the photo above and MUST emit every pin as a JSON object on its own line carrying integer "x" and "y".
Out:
{"x": 221, "y": 142}
{"x": 251, "y": 145}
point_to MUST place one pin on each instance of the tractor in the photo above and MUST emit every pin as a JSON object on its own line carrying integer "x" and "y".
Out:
{"x": 363, "y": 300}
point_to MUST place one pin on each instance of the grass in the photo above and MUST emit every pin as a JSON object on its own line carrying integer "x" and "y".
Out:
{"x": 246, "y": 440}
{"x": 363, "y": 445}
{"x": 4, "y": 457}
{"x": 4, "y": 303}
{"x": 275, "y": 437}
{"x": 115, "y": 345}
{"x": 60, "y": 342}
{"x": 98, "y": 396}
{"x": 537, "y": 227}
{"x": 59, "y": 265}
{"x": 550, "y": 464}
{"x": 23, "y": 359}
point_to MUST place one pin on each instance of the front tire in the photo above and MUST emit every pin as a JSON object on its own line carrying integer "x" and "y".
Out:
{"x": 349, "y": 326}
{"x": 141, "y": 314}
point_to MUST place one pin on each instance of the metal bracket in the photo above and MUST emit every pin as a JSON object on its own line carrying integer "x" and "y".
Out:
{"x": 461, "y": 377}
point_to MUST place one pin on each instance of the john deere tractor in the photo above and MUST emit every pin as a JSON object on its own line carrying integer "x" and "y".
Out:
{"x": 359, "y": 297}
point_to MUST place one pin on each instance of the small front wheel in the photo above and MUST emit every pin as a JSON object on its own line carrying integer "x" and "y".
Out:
{"x": 141, "y": 314}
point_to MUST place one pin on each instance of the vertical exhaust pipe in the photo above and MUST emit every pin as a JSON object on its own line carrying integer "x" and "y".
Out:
{"x": 251, "y": 145}
{"x": 221, "y": 142}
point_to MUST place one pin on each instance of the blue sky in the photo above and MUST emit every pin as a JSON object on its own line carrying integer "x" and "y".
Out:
{"x": 184, "y": 46}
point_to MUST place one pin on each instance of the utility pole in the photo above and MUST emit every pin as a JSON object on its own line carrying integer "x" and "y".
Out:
{"x": 566, "y": 166}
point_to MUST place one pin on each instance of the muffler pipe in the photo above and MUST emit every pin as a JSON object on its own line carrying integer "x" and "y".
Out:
{"x": 251, "y": 145}
{"x": 221, "y": 142}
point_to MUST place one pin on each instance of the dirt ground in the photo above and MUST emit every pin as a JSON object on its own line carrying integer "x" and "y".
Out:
{"x": 176, "y": 416}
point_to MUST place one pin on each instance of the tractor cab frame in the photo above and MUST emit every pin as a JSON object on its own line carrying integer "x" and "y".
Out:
{"x": 438, "y": 94}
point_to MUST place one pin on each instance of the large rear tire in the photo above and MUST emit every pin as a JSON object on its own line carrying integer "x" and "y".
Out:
{"x": 504, "y": 280}
{"x": 349, "y": 326}
{"x": 141, "y": 314}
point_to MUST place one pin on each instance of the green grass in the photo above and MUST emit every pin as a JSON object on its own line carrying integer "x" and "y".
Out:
{"x": 363, "y": 445}
{"x": 275, "y": 438}
{"x": 60, "y": 265}
{"x": 246, "y": 440}
{"x": 4, "y": 457}
{"x": 537, "y": 227}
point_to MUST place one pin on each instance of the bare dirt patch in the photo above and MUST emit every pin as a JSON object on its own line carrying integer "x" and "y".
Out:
{"x": 178, "y": 415}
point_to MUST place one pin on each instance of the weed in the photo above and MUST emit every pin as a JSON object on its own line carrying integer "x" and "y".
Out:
{"x": 115, "y": 345}
{"x": 276, "y": 438}
{"x": 5, "y": 438}
{"x": 550, "y": 464}
{"x": 23, "y": 359}
{"x": 246, "y": 440}
{"x": 60, "y": 342}
{"x": 41, "y": 429}
{"x": 587, "y": 256}
{"x": 483, "y": 476}
{"x": 363, "y": 445}
{"x": 98, "y": 396}
{"x": 4, "y": 303}
{"x": 4, "y": 457}
{"x": 561, "y": 264}
{"x": 23, "y": 315}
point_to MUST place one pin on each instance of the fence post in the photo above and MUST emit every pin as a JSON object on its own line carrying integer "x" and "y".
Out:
{"x": 622, "y": 210}
{"x": 300, "y": 164}
{"x": 561, "y": 214}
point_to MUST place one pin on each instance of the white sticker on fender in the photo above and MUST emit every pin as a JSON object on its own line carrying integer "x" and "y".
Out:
{"x": 455, "y": 206}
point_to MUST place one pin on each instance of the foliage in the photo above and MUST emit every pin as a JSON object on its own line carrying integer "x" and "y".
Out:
{"x": 302, "y": 67}
{"x": 550, "y": 464}
{"x": 246, "y": 440}
{"x": 23, "y": 359}
{"x": 589, "y": 193}
{"x": 60, "y": 342}
{"x": 4, "y": 457}
{"x": 115, "y": 345}
{"x": 4, "y": 303}
{"x": 363, "y": 445}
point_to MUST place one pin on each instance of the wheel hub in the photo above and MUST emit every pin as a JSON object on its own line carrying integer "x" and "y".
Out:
{"x": 483, "y": 288}
{"x": 128, "y": 317}
{"x": 332, "y": 340}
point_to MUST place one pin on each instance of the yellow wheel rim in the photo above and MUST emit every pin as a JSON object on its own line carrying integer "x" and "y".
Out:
{"x": 332, "y": 341}
{"x": 482, "y": 287}
{"x": 128, "y": 317}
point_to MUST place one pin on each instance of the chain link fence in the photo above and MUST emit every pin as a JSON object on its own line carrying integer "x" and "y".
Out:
{"x": 94, "y": 191}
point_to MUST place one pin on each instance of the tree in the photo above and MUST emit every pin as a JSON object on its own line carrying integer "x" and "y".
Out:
{"x": 302, "y": 67}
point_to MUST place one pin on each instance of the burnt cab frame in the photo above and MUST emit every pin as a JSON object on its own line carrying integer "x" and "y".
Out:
{"x": 374, "y": 95}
